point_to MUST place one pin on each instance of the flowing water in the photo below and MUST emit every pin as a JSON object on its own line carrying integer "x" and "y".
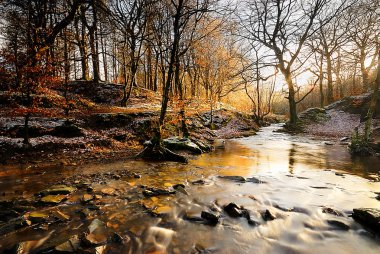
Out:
{"x": 300, "y": 177}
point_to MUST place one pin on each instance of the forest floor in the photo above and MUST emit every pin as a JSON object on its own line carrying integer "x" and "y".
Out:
{"x": 100, "y": 129}
{"x": 337, "y": 122}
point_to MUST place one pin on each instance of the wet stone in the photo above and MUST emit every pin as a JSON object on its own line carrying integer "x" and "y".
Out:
{"x": 58, "y": 190}
{"x": 199, "y": 182}
{"x": 239, "y": 179}
{"x": 108, "y": 191}
{"x": 71, "y": 246}
{"x": 254, "y": 180}
{"x": 180, "y": 188}
{"x": 37, "y": 217}
{"x": 368, "y": 217}
{"x": 332, "y": 211}
{"x": 211, "y": 218}
{"x": 87, "y": 198}
{"x": 339, "y": 225}
{"x": 233, "y": 210}
{"x": 267, "y": 215}
{"x": 53, "y": 199}
{"x": 151, "y": 192}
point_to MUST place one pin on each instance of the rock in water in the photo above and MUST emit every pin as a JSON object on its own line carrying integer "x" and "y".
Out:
{"x": 151, "y": 192}
{"x": 267, "y": 215}
{"x": 233, "y": 210}
{"x": 339, "y": 225}
{"x": 53, "y": 199}
{"x": 211, "y": 218}
{"x": 368, "y": 217}
{"x": 71, "y": 246}
{"x": 186, "y": 144}
{"x": 239, "y": 179}
{"x": 58, "y": 190}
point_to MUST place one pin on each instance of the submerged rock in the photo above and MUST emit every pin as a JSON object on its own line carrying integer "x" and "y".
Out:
{"x": 87, "y": 198}
{"x": 332, "y": 211}
{"x": 254, "y": 180}
{"x": 108, "y": 191}
{"x": 175, "y": 143}
{"x": 53, "y": 199}
{"x": 151, "y": 192}
{"x": 180, "y": 188}
{"x": 37, "y": 217}
{"x": 239, "y": 179}
{"x": 368, "y": 217}
{"x": 337, "y": 224}
{"x": 199, "y": 182}
{"x": 58, "y": 190}
{"x": 72, "y": 245}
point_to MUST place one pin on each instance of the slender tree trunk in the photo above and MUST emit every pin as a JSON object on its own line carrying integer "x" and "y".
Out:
{"x": 178, "y": 81}
{"x": 330, "y": 88}
{"x": 173, "y": 53}
{"x": 291, "y": 98}
{"x": 321, "y": 95}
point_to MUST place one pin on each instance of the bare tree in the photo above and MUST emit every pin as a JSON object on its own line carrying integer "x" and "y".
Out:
{"x": 284, "y": 27}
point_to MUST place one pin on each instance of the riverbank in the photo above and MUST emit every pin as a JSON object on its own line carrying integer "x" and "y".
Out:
{"x": 97, "y": 129}
{"x": 338, "y": 122}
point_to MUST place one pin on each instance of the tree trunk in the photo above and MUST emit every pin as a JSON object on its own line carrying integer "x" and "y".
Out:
{"x": 330, "y": 89}
{"x": 321, "y": 95}
{"x": 178, "y": 81}
{"x": 291, "y": 98}
{"x": 83, "y": 46}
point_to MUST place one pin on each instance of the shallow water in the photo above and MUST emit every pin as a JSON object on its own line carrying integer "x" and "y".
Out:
{"x": 299, "y": 176}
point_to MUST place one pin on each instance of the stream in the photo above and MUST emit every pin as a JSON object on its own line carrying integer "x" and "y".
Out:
{"x": 299, "y": 194}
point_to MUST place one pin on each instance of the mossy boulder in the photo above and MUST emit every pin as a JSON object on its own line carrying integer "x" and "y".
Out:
{"x": 313, "y": 115}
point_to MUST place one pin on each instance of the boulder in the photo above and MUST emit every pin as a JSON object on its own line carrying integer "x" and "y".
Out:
{"x": 368, "y": 217}
{"x": 175, "y": 143}
{"x": 313, "y": 115}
